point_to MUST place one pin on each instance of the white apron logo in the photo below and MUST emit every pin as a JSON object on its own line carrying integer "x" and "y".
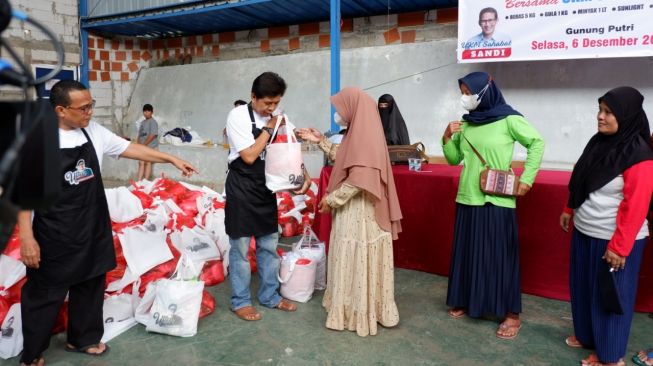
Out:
{"x": 81, "y": 173}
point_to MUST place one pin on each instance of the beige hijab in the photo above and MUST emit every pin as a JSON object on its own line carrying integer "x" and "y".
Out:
{"x": 362, "y": 159}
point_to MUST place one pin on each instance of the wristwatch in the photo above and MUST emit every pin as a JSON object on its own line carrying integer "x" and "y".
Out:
{"x": 269, "y": 130}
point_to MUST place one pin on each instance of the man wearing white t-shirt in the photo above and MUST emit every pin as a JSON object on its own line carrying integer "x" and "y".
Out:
{"x": 251, "y": 208}
{"x": 68, "y": 247}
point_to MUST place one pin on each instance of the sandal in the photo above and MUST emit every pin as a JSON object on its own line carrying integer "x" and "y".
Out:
{"x": 248, "y": 313}
{"x": 647, "y": 356}
{"x": 593, "y": 360}
{"x": 37, "y": 362}
{"x": 86, "y": 349}
{"x": 286, "y": 305}
{"x": 456, "y": 312}
{"x": 508, "y": 331}
{"x": 573, "y": 342}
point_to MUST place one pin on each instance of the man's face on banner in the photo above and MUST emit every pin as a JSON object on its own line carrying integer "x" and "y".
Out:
{"x": 488, "y": 21}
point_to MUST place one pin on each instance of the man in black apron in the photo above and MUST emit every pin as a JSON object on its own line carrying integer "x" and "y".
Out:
{"x": 251, "y": 208}
{"x": 68, "y": 248}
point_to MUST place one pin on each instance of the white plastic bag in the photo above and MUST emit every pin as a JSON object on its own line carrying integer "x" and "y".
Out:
{"x": 11, "y": 333}
{"x": 123, "y": 205}
{"x": 198, "y": 245}
{"x": 11, "y": 271}
{"x": 143, "y": 249}
{"x": 118, "y": 315}
{"x": 142, "y": 311}
{"x": 127, "y": 279}
{"x": 156, "y": 220}
{"x": 309, "y": 246}
{"x": 297, "y": 277}
{"x": 284, "y": 165}
{"x": 215, "y": 226}
{"x": 177, "y": 302}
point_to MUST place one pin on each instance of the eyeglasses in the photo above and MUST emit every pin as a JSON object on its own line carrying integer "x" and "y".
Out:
{"x": 487, "y": 21}
{"x": 85, "y": 108}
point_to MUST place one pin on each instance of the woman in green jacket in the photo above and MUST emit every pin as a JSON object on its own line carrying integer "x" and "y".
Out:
{"x": 484, "y": 275}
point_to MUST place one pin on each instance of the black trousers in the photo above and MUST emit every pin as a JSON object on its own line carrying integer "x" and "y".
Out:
{"x": 40, "y": 306}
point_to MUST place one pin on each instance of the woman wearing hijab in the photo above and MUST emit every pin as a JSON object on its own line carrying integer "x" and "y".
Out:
{"x": 365, "y": 208}
{"x": 393, "y": 123}
{"x": 609, "y": 196}
{"x": 484, "y": 274}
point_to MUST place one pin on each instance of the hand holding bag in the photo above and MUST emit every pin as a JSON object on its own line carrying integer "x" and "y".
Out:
{"x": 284, "y": 165}
{"x": 494, "y": 181}
{"x": 399, "y": 154}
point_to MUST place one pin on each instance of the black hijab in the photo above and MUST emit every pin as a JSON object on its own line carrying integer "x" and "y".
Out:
{"x": 607, "y": 156}
{"x": 492, "y": 107}
{"x": 394, "y": 126}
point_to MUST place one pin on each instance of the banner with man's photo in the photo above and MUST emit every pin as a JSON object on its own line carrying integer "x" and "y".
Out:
{"x": 515, "y": 30}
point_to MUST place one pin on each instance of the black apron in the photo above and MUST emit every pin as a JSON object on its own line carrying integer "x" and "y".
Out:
{"x": 251, "y": 208}
{"x": 75, "y": 233}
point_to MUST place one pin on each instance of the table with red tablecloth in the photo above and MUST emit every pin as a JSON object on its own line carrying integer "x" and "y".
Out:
{"x": 427, "y": 201}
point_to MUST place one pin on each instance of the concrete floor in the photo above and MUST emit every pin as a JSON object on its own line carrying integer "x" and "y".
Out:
{"x": 424, "y": 336}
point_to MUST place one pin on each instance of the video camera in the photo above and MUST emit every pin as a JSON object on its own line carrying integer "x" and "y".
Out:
{"x": 29, "y": 135}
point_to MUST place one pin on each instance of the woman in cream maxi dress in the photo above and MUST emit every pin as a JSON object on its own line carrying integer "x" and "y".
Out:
{"x": 366, "y": 214}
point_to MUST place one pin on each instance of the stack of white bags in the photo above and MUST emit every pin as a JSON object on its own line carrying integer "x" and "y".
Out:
{"x": 170, "y": 243}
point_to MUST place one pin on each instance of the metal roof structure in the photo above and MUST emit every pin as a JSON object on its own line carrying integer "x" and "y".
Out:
{"x": 151, "y": 19}
{"x": 192, "y": 17}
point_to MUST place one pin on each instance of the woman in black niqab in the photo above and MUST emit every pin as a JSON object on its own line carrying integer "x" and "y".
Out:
{"x": 394, "y": 126}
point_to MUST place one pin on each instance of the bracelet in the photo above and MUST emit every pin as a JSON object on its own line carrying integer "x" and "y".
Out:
{"x": 269, "y": 130}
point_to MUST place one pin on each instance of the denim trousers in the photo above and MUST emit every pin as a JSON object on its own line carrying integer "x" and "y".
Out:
{"x": 267, "y": 263}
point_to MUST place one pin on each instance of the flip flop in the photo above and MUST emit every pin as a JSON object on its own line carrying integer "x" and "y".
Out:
{"x": 286, "y": 305}
{"x": 573, "y": 342}
{"x": 456, "y": 313}
{"x": 504, "y": 327}
{"x": 248, "y": 313}
{"x": 599, "y": 363}
{"x": 649, "y": 357}
{"x": 40, "y": 361}
{"x": 84, "y": 350}
{"x": 591, "y": 359}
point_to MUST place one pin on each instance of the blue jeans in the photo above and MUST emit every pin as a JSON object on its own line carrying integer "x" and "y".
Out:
{"x": 267, "y": 262}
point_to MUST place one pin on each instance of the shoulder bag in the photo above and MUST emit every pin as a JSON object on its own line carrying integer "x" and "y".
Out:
{"x": 494, "y": 181}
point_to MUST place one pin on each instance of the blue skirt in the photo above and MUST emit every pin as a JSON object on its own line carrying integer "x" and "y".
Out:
{"x": 484, "y": 275}
{"x": 593, "y": 326}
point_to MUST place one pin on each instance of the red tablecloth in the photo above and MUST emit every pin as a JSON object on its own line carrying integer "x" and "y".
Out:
{"x": 427, "y": 202}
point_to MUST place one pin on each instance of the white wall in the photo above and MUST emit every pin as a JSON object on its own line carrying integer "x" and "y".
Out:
{"x": 558, "y": 97}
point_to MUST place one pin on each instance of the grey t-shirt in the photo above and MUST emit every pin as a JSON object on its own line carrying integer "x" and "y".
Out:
{"x": 149, "y": 127}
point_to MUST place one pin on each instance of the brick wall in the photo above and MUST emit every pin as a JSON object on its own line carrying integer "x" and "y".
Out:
{"x": 60, "y": 16}
{"x": 114, "y": 63}
{"x": 113, "y": 69}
